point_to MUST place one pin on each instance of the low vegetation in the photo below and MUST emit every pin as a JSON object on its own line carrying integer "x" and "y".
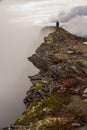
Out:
{"x": 39, "y": 86}
{"x": 48, "y": 107}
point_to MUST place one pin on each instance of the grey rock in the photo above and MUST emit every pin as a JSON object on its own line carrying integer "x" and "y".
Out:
{"x": 84, "y": 95}
{"x": 85, "y": 100}
{"x": 39, "y": 62}
{"x": 70, "y": 52}
{"x": 85, "y": 91}
{"x": 76, "y": 124}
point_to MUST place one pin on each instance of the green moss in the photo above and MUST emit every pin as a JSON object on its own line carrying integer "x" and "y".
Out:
{"x": 30, "y": 117}
{"x": 83, "y": 63}
{"x": 54, "y": 102}
{"x": 58, "y": 43}
{"x": 56, "y": 51}
{"x": 39, "y": 86}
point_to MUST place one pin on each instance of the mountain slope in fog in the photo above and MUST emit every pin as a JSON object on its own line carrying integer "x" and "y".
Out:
{"x": 57, "y": 98}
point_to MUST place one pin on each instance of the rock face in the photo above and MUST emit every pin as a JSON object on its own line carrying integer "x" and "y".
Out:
{"x": 55, "y": 100}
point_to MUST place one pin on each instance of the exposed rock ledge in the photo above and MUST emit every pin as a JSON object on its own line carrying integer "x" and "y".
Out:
{"x": 57, "y": 99}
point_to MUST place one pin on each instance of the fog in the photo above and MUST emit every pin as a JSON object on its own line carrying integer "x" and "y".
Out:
{"x": 17, "y": 42}
{"x": 77, "y": 26}
{"x": 75, "y": 20}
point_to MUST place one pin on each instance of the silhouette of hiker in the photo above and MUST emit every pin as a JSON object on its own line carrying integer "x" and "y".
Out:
{"x": 57, "y": 24}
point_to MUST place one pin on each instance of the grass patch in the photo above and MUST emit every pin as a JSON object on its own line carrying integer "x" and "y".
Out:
{"x": 53, "y": 124}
{"x": 54, "y": 102}
{"x": 56, "y": 51}
{"x": 39, "y": 86}
{"x": 57, "y": 126}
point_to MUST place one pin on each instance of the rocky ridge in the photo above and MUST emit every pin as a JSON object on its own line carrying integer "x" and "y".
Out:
{"x": 57, "y": 99}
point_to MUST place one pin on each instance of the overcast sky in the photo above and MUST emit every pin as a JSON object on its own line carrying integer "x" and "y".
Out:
{"x": 36, "y": 11}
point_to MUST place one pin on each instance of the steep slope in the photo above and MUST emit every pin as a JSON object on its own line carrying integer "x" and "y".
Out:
{"x": 57, "y": 99}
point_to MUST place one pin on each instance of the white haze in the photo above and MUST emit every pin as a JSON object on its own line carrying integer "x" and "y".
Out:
{"x": 77, "y": 25}
{"x": 75, "y": 20}
{"x": 16, "y": 44}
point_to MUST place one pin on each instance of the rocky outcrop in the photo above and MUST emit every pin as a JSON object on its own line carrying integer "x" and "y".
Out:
{"x": 58, "y": 95}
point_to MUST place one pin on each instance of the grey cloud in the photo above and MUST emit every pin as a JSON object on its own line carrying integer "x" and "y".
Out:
{"x": 74, "y": 12}
{"x": 77, "y": 26}
{"x": 75, "y": 21}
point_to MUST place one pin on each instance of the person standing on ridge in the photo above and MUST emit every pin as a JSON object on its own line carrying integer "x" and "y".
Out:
{"x": 57, "y": 24}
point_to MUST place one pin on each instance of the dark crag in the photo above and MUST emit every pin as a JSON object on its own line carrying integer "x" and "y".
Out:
{"x": 57, "y": 99}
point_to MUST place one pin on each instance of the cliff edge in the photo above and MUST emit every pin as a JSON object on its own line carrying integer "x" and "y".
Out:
{"x": 57, "y": 99}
